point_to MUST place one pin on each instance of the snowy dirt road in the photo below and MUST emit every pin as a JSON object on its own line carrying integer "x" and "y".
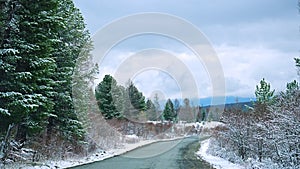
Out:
{"x": 175, "y": 154}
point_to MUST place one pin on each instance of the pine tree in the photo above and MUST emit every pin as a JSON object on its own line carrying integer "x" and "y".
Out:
{"x": 169, "y": 112}
{"x": 107, "y": 97}
{"x": 136, "y": 98}
{"x": 263, "y": 92}
{"x": 292, "y": 87}
{"x": 26, "y": 50}
{"x": 73, "y": 47}
{"x": 264, "y": 97}
{"x": 40, "y": 43}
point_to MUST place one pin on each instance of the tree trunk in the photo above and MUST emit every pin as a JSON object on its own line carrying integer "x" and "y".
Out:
{"x": 4, "y": 147}
{"x": 21, "y": 134}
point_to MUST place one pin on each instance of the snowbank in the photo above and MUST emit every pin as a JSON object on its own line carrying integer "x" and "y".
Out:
{"x": 217, "y": 162}
{"x": 207, "y": 125}
{"x": 212, "y": 124}
{"x": 131, "y": 138}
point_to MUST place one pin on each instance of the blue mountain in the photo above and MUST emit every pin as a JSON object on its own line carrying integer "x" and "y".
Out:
{"x": 203, "y": 102}
{"x": 228, "y": 100}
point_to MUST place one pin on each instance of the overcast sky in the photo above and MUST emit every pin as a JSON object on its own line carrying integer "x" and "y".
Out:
{"x": 252, "y": 39}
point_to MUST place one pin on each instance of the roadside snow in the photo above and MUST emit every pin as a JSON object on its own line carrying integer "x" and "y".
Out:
{"x": 205, "y": 125}
{"x": 212, "y": 124}
{"x": 217, "y": 162}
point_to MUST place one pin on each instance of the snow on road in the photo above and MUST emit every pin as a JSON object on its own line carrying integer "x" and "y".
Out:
{"x": 217, "y": 162}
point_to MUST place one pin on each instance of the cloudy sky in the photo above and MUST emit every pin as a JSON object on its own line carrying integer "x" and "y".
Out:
{"x": 252, "y": 40}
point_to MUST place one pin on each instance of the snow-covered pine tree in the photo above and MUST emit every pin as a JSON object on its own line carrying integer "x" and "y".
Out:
{"x": 26, "y": 50}
{"x": 72, "y": 45}
{"x": 261, "y": 116}
{"x": 264, "y": 98}
{"x": 40, "y": 43}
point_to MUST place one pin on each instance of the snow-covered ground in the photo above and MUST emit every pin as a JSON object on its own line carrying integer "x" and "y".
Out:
{"x": 217, "y": 162}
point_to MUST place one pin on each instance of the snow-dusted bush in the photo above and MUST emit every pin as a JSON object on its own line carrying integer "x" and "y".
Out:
{"x": 131, "y": 138}
{"x": 266, "y": 137}
{"x": 215, "y": 149}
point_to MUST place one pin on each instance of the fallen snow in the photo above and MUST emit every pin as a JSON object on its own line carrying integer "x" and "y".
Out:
{"x": 212, "y": 124}
{"x": 217, "y": 162}
{"x": 206, "y": 125}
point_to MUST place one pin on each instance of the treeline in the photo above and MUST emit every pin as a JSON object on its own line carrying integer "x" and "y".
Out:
{"x": 266, "y": 135}
{"x": 41, "y": 42}
{"x": 117, "y": 102}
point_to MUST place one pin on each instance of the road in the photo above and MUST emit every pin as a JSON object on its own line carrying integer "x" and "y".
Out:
{"x": 176, "y": 154}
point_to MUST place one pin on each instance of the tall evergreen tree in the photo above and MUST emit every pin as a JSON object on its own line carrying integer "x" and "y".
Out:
{"x": 73, "y": 47}
{"x": 106, "y": 97}
{"x": 136, "y": 97}
{"x": 169, "y": 112}
{"x": 28, "y": 67}
{"x": 40, "y": 42}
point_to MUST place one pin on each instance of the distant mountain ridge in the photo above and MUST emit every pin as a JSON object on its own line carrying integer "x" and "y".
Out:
{"x": 228, "y": 100}
{"x": 206, "y": 102}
